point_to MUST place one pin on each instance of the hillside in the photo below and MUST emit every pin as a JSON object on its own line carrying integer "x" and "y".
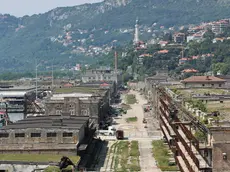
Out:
{"x": 77, "y": 34}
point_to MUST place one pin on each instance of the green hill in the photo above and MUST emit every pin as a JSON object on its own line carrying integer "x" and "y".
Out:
{"x": 67, "y": 35}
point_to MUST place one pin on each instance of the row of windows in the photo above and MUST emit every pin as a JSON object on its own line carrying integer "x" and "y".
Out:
{"x": 59, "y": 112}
{"x": 212, "y": 85}
{"x": 17, "y": 135}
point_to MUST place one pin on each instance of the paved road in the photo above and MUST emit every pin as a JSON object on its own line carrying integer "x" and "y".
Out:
{"x": 137, "y": 131}
{"x": 147, "y": 162}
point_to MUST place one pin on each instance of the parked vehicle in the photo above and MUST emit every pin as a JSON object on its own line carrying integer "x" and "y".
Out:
{"x": 144, "y": 121}
{"x": 120, "y": 134}
{"x": 110, "y": 132}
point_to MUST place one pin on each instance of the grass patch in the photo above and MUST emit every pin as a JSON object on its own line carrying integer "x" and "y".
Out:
{"x": 56, "y": 169}
{"x": 134, "y": 157}
{"x": 35, "y": 158}
{"x": 134, "y": 151}
{"x": 126, "y": 156}
{"x": 131, "y": 99}
{"x": 131, "y": 119}
{"x": 202, "y": 91}
{"x": 161, "y": 154}
{"x": 125, "y": 106}
{"x": 77, "y": 90}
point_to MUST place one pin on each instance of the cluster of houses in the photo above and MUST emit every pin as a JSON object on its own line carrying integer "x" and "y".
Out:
{"x": 196, "y": 33}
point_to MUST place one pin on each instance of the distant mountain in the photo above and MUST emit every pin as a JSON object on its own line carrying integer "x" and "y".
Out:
{"x": 76, "y": 34}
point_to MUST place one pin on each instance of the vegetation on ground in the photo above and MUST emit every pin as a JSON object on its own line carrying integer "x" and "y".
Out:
{"x": 125, "y": 156}
{"x": 125, "y": 106}
{"x": 162, "y": 156}
{"x": 131, "y": 99}
{"x": 56, "y": 169}
{"x": 197, "y": 104}
{"x": 223, "y": 108}
{"x": 201, "y": 136}
{"x": 131, "y": 119}
{"x": 35, "y": 157}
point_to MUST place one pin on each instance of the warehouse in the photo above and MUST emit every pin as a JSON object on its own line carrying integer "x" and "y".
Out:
{"x": 45, "y": 134}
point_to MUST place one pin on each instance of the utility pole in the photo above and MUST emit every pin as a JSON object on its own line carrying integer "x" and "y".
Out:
{"x": 36, "y": 70}
{"x": 52, "y": 74}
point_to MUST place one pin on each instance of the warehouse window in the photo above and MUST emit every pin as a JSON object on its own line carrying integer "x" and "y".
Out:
{"x": 35, "y": 134}
{"x": 72, "y": 112}
{"x": 19, "y": 134}
{"x": 58, "y": 112}
{"x": 67, "y": 134}
{"x": 51, "y": 134}
{"x": 4, "y": 135}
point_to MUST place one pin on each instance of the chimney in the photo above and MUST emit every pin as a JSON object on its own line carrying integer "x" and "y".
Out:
{"x": 207, "y": 77}
{"x": 115, "y": 62}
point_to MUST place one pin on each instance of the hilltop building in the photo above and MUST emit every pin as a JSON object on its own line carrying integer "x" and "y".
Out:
{"x": 136, "y": 41}
{"x": 179, "y": 37}
{"x": 219, "y": 26}
{"x": 136, "y": 34}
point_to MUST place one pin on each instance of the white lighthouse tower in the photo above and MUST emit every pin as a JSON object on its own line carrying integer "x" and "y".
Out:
{"x": 136, "y": 35}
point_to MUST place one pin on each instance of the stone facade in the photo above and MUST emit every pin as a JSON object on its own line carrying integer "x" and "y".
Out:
{"x": 96, "y": 107}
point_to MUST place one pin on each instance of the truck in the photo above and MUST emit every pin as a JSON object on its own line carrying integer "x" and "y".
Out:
{"x": 120, "y": 134}
{"x": 110, "y": 132}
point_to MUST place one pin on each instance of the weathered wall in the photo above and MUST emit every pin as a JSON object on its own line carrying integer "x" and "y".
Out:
{"x": 92, "y": 107}
{"x": 220, "y": 141}
{"x": 21, "y": 168}
{"x": 200, "y": 85}
{"x": 219, "y": 164}
{"x": 43, "y": 142}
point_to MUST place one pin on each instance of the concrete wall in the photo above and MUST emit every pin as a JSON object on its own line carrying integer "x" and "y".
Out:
{"x": 21, "y": 168}
{"x": 43, "y": 142}
{"x": 219, "y": 164}
{"x": 203, "y": 85}
{"x": 220, "y": 140}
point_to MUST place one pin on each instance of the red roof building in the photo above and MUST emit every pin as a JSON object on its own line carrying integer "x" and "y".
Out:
{"x": 189, "y": 71}
{"x": 163, "y": 52}
{"x": 203, "y": 82}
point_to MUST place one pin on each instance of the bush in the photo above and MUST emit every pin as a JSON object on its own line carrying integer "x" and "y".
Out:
{"x": 131, "y": 99}
{"x": 56, "y": 169}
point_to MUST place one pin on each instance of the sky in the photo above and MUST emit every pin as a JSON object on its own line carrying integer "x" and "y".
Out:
{"x": 20, "y": 8}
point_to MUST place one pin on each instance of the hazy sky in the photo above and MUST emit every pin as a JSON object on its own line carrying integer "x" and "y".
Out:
{"x": 29, "y": 7}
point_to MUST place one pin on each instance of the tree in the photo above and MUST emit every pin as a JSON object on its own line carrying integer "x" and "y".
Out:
{"x": 220, "y": 67}
{"x": 209, "y": 35}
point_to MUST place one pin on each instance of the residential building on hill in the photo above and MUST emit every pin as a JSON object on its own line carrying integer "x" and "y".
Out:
{"x": 219, "y": 26}
{"x": 179, "y": 37}
{"x": 203, "y": 82}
